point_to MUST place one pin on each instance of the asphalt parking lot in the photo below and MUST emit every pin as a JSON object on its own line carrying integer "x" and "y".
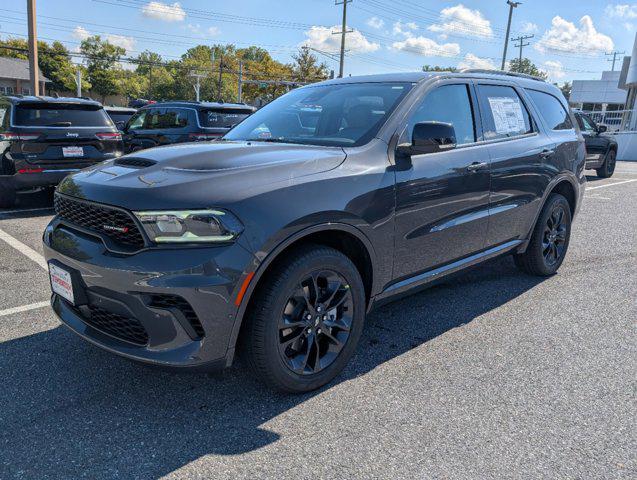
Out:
{"x": 492, "y": 375}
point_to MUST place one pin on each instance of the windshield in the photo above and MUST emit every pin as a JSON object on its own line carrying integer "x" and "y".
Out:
{"x": 222, "y": 118}
{"x": 60, "y": 115}
{"x": 346, "y": 115}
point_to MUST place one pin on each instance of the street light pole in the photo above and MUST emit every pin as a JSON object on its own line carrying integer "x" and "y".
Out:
{"x": 512, "y": 5}
{"x": 34, "y": 73}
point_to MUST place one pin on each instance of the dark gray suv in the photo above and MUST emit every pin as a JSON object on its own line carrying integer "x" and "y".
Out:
{"x": 335, "y": 198}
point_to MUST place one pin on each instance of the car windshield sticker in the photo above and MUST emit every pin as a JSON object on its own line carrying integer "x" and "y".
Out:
{"x": 507, "y": 115}
{"x": 2, "y": 113}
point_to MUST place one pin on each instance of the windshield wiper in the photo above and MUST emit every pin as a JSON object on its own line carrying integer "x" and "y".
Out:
{"x": 58, "y": 124}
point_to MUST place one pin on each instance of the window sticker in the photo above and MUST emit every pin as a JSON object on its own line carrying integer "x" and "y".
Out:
{"x": 3, "y": 112}
{"x": 507, "y": 115}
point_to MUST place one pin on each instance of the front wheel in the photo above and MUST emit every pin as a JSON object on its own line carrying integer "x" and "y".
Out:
{"x": 608, "y": 167}
{"x": 549, "y": 240}
{"x": 305, "y": 320}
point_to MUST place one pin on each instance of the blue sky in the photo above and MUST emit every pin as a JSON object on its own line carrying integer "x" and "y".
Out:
{"x": 571, "y": 36}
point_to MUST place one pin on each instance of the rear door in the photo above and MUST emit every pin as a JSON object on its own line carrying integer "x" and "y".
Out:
{"x": 442, "y": 198}
{"x": 518, "y": 150}
{"x": 58, "y": 133}
{"x": 595, "y": 145}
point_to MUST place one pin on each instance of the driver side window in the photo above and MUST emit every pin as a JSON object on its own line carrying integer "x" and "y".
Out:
{"x": 587, "y": 125}
{"x": 137, "y": 121}
{"x": 447, "y": 104}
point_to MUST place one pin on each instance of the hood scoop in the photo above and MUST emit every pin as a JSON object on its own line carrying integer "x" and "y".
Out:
{"x": 134, "y": 162}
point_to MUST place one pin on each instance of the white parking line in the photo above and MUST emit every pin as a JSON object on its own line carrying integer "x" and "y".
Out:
{"x": 611, "y": 184}
{"x": 24, "y": 249}
{"x": 24, "y": 308}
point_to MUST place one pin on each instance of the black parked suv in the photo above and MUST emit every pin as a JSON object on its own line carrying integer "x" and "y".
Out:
{"x": 43, "y": 139}
{"x": 601, "y": 150}
{"x": 281, "y": 237}
{"x": 177, "y": 122}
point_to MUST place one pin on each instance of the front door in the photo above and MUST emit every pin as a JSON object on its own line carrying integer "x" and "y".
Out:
{"x": 442, "y": 198}
{"x": 595, "y": 145}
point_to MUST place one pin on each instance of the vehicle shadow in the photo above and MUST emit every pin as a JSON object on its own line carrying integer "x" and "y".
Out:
{"x": 29, "y": 205}
{"x": 68, "y": 409}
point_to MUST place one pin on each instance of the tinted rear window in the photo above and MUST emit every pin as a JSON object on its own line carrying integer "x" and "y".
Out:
{"x": 120, "y": 116}
{"x": 552, "y": 110}
{"x": 222, "y": 118}
{"x": 61, "y": 116}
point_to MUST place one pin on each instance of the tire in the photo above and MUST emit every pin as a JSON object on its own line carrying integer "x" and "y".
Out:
{"x": 293, "y": 342}
{"x": 549, "y": 240}
{"x": 608, "y": 167}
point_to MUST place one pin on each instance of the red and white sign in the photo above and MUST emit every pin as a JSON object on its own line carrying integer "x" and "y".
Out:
{"x": 61, "y": 283}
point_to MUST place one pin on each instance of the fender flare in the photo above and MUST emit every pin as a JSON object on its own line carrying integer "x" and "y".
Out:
{"x": 273, "y": 255}
{"x": 547, "y": 191}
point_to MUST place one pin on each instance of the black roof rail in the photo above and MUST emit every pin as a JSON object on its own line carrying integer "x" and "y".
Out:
{"x": 502, "y": 72}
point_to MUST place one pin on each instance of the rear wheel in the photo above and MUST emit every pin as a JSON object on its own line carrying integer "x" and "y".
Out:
{"x": 305, "y": 320}
{"x": 608, "y": 167}
{"x": 549, "y": 240}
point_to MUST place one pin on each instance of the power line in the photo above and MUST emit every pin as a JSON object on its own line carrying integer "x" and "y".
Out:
{"x": 521, "y": 44}
{"x": 614, "y": 55}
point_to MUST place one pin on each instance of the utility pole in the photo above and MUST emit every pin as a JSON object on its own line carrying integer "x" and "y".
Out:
{"x": 78, "y": 82}
{"x": 343, "y": 33}
{"x": 614, "y": 55}
{"x": 34, "y": 72}
{"x": 240, "y": 85}
{"x": 511, "y": 5}
{"x": 521, "y": 45}
{"x": 197, "y": 86}
{"x": 220, "y": 75}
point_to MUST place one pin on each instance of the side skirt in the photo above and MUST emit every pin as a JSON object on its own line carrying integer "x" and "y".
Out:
{"x": 412, "y": 284}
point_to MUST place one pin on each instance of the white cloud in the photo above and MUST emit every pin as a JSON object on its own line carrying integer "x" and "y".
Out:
{"x": 212, "y": 31}
{"x": 567, "y": 37}
{"x": 554, "y": 69}
{"x": 427, "y": 47}
{"x": 405, "y": 29}
{"x": 473, "y": 61}
{"x": 462, "y": 21}
{"x": 376, "y": 23}
{"x": 322, "y": 38}
{"x": 528, "y": 27}
{"x": 164, "y": 11}
{"x": 627, "y": 12}
{"x": 80, "y": 33}
{"x": 127, "y": 43}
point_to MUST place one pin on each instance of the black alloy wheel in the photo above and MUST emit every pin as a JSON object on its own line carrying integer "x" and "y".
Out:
{"x": 305, "y": 320}
{"x": 549, "y": 239}
{"x": 315, "y": 323}
{"x": 608, "y": 168}
{"x": 554, "y": 239}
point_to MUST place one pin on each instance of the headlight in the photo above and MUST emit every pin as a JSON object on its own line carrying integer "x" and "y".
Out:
{"x": 190, "y": 226}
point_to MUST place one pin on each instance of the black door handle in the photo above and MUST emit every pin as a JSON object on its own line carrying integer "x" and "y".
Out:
{"x": 476, "y": 166}
{"x": 547, "y": 153}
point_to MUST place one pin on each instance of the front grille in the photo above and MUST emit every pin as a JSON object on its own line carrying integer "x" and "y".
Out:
{"x": 134, "y": 162}
{"x": 124, "y": 328}
{"x": 173, "y": 301}
{"x": 115, "y": 224}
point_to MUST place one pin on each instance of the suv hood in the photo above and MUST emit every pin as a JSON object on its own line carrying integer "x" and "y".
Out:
{"x": 199, "y": 174}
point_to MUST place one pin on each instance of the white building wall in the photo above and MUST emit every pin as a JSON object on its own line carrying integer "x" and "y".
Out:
{"x": 602, "y": 91}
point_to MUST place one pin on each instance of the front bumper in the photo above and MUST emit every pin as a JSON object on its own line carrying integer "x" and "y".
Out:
{"x": 172, "y": 307}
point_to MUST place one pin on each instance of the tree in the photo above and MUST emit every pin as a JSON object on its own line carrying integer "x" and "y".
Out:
{"x": 306, "y": 66}
{"x": 527, "y": 67}
{"x": 436, "y": 68}
{"x": 566, "y": 89}
{"x": 54, "y": 62}
{"x": 102, "y": 65}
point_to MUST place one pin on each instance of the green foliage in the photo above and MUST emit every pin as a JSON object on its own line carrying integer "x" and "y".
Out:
{"x": 306, "y": 67}
{"x": 436, "y": 68}
{"x": 54, "y": 61}
{"x": 526, "y": 66}
{"x": 107, "y": 70}
{"x": 102, "y": 65}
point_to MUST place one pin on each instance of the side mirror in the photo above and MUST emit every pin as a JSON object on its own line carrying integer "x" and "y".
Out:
{"x": 430, "y": 137}
{"x": 602, "y": 128}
